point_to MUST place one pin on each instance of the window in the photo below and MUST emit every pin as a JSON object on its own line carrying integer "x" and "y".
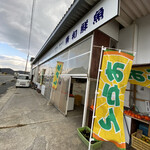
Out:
{"x": 23, "y": 77}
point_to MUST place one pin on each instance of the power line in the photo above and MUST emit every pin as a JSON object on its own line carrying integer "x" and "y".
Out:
{"x": 29, "y": 41}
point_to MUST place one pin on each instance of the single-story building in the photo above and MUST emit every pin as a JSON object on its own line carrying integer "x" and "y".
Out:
{"x": 76, "y": 41}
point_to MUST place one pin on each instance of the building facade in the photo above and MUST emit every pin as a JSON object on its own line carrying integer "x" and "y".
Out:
{"x": 77, "y": 41}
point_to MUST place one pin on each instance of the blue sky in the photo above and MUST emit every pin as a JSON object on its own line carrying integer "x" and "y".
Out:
{"x": 12, "y": 58}
{"x": 5, "y": 49}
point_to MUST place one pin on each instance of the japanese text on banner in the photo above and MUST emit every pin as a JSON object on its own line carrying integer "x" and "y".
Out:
{"x": 108, "y": 124}
{"x": 140, "y": 76}
{"x": 57, "y": 73}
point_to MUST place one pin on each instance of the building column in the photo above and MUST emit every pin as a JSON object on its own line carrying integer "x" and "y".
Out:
{"x": 86, "y": 102}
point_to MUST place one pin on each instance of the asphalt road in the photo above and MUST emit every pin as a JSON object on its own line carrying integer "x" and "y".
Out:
{"x": 6, "y": 81}
{"x": 5, "y": 78}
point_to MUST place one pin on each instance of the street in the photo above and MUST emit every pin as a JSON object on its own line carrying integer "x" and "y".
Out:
{"x": 26, "y": 122}
{"x": 6, "y": 81}
{"x": 5, "y": 78}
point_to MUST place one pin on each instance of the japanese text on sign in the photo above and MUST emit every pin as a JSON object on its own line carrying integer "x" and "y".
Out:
{"x": 140, "y": 76}
{"x": 57, "y": 73}
{"x": 99, "y": 15}
{"x": 112, "y": 94}
{"x": 108, "y": 124}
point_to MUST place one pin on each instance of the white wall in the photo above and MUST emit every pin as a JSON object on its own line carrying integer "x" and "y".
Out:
{"x": 127, "y": 127}
{"x": 141, "y": 43}
{"x": 143, "y": 47}
{"x": 127, "y": 41}
{"x": 127, "y": 96}
{"x": 111, "y": 28}
{"x": 142, "y": 93}
{"x": 126, "y": 36}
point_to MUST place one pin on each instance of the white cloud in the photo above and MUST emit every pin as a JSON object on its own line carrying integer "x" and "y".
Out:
{"x": 15, "y": 21}
{"x": 14, "y": 26}
{"x": 13, "y": 62}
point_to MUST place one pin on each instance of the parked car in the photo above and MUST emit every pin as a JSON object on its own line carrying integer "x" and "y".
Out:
{"x": 23, "y": 80}
{"x": 16, "y": 75}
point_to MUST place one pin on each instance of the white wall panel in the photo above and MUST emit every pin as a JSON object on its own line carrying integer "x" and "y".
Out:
{"x": 126, "y": 38}
{"x": 142, "y": 93}
{"x": 127, "y": 96}
{"x": 143, "y": 51}
{"x": 111, "y": 29}
{"x": 128, "y": 125}
{"x": 127, "y": 41}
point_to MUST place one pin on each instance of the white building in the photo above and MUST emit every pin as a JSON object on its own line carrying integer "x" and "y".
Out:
{"x": 76, "y": 41}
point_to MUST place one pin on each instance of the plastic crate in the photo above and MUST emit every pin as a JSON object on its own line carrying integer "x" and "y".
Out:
{"x": 144, "y": 128}
{"x": 138, "y": 144}
{"x": 85, "y": 141}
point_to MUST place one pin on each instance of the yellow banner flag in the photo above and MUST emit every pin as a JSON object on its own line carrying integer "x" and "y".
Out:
{"x": 140, "y": 76}
{"x": 108, "y": 124}
{"x": 57, "y": 73}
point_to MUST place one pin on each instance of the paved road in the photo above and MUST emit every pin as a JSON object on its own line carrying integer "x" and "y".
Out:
{"x": 28, "y": 123}
{"x": 6, "y": 81}
{"x": 5, "y": 78}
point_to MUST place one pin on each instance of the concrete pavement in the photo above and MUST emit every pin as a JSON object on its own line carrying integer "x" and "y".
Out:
{"x": 28, "y": 123}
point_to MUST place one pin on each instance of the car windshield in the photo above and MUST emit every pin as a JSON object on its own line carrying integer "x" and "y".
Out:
{"x": 23, "y": 77}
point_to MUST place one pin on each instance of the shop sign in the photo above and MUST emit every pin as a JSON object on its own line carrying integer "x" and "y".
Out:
{"x": 140, "y": 76}
{"x": 100, "y": 14}
{"x": 104, "y": 11}
{"x": 58, "y": 71}
{"x": 108, "y": 124}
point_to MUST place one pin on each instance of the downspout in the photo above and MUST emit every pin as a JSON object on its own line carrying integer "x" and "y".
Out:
{"x": 135, "y": 42}
{"x": 134, "y": 48}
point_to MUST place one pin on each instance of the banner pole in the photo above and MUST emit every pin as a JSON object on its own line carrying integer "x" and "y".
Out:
{"x": 93, "y": 116}
{"x": 120, "y": 50}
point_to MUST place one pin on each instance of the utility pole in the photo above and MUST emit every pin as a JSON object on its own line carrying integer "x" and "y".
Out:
{"x": 29, "y": 41}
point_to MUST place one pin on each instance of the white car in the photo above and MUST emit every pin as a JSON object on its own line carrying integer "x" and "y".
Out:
{"x": 23, "y": 80}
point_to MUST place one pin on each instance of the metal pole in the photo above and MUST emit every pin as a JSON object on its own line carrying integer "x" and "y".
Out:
{"x": 121, "y": 50}
{"x": 33, "y": 3}
{"x": 27, "y": 62}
